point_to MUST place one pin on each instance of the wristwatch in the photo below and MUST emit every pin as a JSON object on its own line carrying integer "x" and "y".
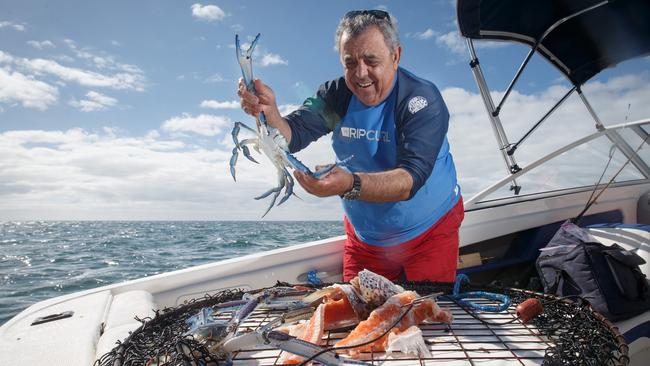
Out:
{"x": 355, "y": 192}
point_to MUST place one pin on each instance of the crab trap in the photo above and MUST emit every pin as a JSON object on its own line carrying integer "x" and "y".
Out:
{"x": 566, "y": 332}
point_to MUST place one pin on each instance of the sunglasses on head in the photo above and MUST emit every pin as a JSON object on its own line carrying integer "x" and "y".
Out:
{"x": 379, "y": 14}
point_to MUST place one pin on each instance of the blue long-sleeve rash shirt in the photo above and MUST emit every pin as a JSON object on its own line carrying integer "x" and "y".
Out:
{"x": 407, "y": 130}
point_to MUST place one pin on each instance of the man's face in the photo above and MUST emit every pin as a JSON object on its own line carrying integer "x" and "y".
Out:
{"x": 369, "y": 65}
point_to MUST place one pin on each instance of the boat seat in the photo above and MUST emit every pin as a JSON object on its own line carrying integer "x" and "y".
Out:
{"x": 120, "y": 320}
{"x": 126, "y": 306}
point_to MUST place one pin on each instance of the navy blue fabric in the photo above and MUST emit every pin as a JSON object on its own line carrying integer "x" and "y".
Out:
{"x": 641, "y": 330}
{"x": 580, "y": 47}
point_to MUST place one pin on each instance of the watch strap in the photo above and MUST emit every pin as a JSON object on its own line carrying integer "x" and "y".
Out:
{"x": 355, "y": 192}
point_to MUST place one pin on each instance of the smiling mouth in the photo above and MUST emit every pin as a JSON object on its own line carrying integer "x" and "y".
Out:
{"x": 365, "y": 85}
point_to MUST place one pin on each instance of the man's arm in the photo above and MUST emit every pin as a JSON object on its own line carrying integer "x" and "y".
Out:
{"x": 389, "y": 186}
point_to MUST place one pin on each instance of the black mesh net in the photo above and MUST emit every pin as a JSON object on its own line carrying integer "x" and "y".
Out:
{"x": 568, "y": 332}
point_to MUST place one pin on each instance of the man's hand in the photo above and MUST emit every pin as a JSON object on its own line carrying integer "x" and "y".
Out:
{"x": 263, "y": 101}
{"x": 336, "y": 182}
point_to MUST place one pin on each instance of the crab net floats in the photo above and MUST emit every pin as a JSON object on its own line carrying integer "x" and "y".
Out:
{"x": 567, "y": 332}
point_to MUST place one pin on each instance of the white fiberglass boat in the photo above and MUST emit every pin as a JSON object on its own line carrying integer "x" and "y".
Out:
{"x": 504, "y": 227}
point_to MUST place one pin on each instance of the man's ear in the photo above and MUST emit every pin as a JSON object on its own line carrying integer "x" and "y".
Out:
{"x": 396, "y": 57}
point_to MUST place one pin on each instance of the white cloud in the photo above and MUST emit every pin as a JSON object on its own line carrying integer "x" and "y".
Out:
{"x": 453, "y": 41}
{"x": 18, "y": 88}
{"x": 207, "y": 12}
{"x": 128, "y": 78}
{"x": 203, "y": 124}
{"x": 84, "y": 77}
{"x": 41, "y": 44}
{"x": 427, "y": 34}
{"x": 273, "y": 59}
{"x": 457, "y": 44}
{"x": 15, "y": 26}
{"x": 64, "y": 58}
{"x": 6, "y": 58}
{"x": 215, "y": 104}
{"x": 116, "y": 43}
{"x": 215, "y": 78}
{"x": 95, "y": 102}
{"x": 102, "y": 61}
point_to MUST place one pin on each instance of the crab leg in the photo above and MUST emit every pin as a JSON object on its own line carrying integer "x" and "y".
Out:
{"x": 298, "y": 165}
{"x": 246, "y": 150}
{"x": 235, "y": 132}
{"x": 240, "y": 145}
{"x": 276, "y": 191}
{"x": 323, "y": 172}
{"x": 288, "y": 187}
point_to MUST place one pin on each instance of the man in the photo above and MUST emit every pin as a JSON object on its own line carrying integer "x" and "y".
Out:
{"x": 399, "y": 191}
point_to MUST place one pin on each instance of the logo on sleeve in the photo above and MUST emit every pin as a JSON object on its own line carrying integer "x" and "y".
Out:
{"x": 417, "y": 103}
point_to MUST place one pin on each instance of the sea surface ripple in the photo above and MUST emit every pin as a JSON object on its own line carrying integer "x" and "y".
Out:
{"x": 44, "y": 259}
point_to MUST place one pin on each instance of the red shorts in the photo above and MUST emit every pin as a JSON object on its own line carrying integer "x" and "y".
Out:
{"x": 433, "y": 255}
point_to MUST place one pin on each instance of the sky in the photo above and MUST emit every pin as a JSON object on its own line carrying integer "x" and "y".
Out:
{"x": 122, "y": 110}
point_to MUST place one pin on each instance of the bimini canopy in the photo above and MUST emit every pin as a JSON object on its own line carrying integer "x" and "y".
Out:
{"x": 580, "y": 37}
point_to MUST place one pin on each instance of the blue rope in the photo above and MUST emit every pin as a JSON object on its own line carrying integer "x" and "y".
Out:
{"x": 313, "y": 279}
{"x": 460, "y": 298}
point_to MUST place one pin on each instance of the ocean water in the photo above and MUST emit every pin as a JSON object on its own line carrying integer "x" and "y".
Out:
{"x": 44, "y": 259}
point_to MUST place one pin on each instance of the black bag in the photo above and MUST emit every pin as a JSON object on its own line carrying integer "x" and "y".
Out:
{"x": 607, "y": 276}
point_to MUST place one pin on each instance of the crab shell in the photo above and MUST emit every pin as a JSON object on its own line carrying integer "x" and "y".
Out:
{"x": 374, "y": 288}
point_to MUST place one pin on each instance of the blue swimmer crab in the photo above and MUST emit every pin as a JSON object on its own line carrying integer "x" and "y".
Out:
{"x": 269, "y": 139}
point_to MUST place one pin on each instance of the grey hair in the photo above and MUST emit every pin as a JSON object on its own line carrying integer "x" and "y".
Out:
{"x": 359, "y": 23}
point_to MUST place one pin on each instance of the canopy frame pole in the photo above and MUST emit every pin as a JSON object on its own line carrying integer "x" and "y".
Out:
{"x": 495, "y": 121}
{"x": 616, "y": 139}
{"x": 641, "y": 132}
{"x": 511, "y": 149}
{"x": 503, "y": 181}
{"x": 536, "y": 45}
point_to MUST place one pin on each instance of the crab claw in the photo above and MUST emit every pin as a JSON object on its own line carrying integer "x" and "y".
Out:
{"x": 244, "y": 58}
{"x": 247, "y": 154}
{"x": 323, "y": 172}
{"x": 233, "y": 162}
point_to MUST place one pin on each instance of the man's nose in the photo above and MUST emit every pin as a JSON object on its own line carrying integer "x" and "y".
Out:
{"x": 361, "y": 71}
